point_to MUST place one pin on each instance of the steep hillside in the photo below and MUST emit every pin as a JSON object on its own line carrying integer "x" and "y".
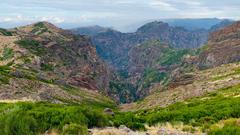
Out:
{"x": 153, "y": 62}
{"x": 223, "y": 47}
{"x": 42, "y": 62}
{"x": 150, "y": 63}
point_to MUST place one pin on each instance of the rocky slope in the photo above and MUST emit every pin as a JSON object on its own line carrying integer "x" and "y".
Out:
{"x": 223, "y": 47}
{"x": 43, "y": 62}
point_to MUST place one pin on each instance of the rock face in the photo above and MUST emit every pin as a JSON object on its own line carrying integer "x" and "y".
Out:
{"x": 223, "y": 47}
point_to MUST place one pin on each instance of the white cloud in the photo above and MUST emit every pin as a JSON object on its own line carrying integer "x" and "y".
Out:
{"x": 161, "y": 5}
{"x": 21, "y": 18}
{"x": 116, "y": 13}
{"x": 52, "y": 19}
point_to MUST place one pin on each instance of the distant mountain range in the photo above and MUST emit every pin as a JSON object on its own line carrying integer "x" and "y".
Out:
{"x": 113, "y": 46}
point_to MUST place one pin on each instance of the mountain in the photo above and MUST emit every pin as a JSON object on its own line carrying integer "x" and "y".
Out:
{"x": 221, "y": 25}
{"x": 53, "y": 82}
{"x": 43, "y": 62}
{"x": 223, "y": 47}
{"x": 113, "y": 45}
{"x": 140, "y": 59}
{"x": 90, "y": 30}
{"x": 194, "y": 24}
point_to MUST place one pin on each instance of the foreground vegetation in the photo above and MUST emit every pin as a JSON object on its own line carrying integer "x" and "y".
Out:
{"x": 32, "y": 118}
{"x": 202, "y": 112}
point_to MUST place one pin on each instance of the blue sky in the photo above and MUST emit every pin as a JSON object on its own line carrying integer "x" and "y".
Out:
{"x": 112, "y": 13}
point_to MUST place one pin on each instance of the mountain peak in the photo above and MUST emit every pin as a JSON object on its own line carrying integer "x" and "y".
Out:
{"x": 153, "y": 25}
{"x": 40, "y": 28}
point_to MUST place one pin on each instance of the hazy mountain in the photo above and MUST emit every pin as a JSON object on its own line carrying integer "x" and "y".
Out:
{"x": 193, "y": 24}
{"x": 113, "y": 46}
{"x": 90, "y": 30}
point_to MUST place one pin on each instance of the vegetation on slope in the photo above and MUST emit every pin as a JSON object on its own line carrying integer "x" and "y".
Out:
{"x": 34, "y": 118}
{"x": 202, "y": 112}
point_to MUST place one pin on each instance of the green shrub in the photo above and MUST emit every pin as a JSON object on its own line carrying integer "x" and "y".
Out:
{"x": 47, "y": 67}
{"x": 198, "y": 112}
{"x": 33, "y": 118}
{"x": 33, "y": 46}
{"x": 19, "y": 124}
{"x": 7, "y": 54}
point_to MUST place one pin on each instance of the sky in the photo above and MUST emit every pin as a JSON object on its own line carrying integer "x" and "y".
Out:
{"x": 118, "y": 14}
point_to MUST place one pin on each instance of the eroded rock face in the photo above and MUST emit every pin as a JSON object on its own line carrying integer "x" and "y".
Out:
{"x": 223, "y": 47}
